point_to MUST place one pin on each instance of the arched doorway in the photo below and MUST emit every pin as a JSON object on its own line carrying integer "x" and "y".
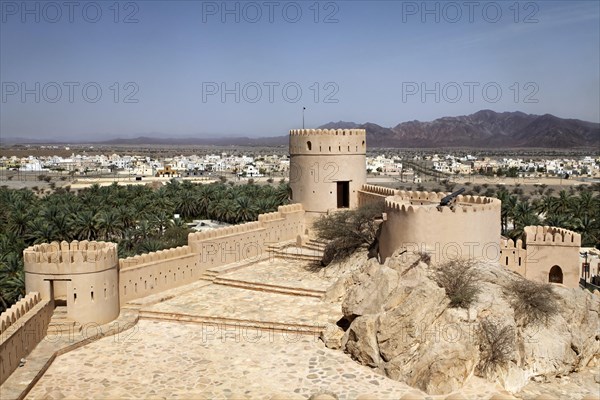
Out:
{"x": 555, "y": 275}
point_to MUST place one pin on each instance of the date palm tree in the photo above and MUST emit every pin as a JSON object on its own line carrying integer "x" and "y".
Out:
{"x": 12, "y": 280}
{"x": 563, "y": 202}
{"x": 109, "y": 225}
{"x": 524, "y": 215}
{"x": 86, "y": 225}
{"x": 244, "y": 210}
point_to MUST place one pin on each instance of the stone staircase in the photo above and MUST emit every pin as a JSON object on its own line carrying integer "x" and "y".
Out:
{"x": 267, "y": 287}
{"x": 311, "y": 251}
{"x": 60, "y": 324}
{"x": 226, "y": 325}
{"x": 211, "y": 274}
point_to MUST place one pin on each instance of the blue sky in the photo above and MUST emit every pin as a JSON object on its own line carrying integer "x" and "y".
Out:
{"x": 378, "y": 61}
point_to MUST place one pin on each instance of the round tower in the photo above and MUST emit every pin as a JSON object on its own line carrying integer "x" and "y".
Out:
{"x": 470, "y": 229}
{"x": 84, "y": 275}
{"x": 327, "y": 168}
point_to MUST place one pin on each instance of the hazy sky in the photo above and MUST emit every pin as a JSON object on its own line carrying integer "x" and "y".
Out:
{"x": 192, "y": 68}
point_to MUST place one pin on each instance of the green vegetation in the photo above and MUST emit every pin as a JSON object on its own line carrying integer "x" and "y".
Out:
{"x": 460, "y": 280}
{"x": 138, "y": 218}
{"x": 579, "y": 213}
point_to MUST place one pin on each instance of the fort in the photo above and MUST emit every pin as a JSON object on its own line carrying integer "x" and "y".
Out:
{"x": 327, "y": 174}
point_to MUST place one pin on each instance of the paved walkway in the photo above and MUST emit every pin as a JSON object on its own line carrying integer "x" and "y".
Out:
{"x": 175, "y": 360}
{"x": 239, "y": 346}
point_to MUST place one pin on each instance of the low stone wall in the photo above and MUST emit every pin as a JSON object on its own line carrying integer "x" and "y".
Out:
{"x": 155, "y": 272}
{"x": 374, "y": 194}
{"x": 143, "y": 275}
{"x": 22, "y": 327}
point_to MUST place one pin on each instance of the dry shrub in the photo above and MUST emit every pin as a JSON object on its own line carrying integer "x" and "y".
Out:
{"x": 460, "y": 280}
{"x": 533, "y": 302}
{"x": 496, "y": 346}
{"x": 348, "y": 230}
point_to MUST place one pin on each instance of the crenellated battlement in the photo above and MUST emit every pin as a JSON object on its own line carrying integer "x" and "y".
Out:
{"x": 509, "y": 244}
{"x": 415, "y": 202}
{"x": 289, "y": 208}
{"x": 154, "y": 256}
{"x": 229, "y": 230}
{"x": 17, "y": 310}
{"x": 549, "y": 235}
{"x": 380, "y": 190}
{"x": 328, "y": 142}
{"x": 329, "y": 132}
{"x": 67, "y": 258}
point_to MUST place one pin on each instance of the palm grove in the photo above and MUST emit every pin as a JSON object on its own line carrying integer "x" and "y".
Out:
{"x": 138, "y": 218}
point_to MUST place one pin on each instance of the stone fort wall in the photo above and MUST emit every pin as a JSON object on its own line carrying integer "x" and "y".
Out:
{"x": 22, "y": 327}
{"x": 319, "y": 159}
{"x": 152, "y": 273}
{"x": 470, "y": 229}
{"x": 83, "y": 274}
{"x": 541, "y": 249}
{"x": 95, "y": 283}
{"x": 373, "y": 194}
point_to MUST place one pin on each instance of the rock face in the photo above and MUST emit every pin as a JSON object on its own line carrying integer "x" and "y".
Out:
{"x": 400, "y": 323}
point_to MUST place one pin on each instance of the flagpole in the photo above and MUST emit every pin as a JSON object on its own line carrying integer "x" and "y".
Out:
{"x": 303, "y": 108}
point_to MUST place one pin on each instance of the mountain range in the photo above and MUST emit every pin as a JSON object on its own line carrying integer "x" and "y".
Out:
{"x": 483, "y": 129}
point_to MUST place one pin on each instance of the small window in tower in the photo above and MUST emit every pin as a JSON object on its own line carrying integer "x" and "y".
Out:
{"x": 92, "y": 295}
{"x": 329, "y": 148}
{"x": 339, "y": 148}
{"x": 363, "y": 143}
{"x": 309, "y": 145}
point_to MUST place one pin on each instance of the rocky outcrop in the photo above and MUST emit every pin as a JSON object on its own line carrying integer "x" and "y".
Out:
{"x": 400, "y": 323}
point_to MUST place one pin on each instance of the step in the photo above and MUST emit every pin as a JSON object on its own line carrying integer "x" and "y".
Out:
{"x": 266, "y": 287}
{"x": 296, "y": 257}
{"x": 315, "y": 247}
{"x": 229, "y": 323}
{"x": 65, "y": 325}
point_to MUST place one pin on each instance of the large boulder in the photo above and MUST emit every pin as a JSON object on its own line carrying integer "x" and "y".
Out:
{"x": 400, "y": 323}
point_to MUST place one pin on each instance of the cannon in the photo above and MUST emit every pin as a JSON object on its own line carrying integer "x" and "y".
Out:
{"x": 449, "y": 200}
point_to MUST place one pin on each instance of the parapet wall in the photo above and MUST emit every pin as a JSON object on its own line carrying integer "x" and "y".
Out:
{"x": 155, "y": 272}
{"x": 68, "y": 258}
{"x": 22, "y": 327}
{"x": 513, "y": 255}
{"x": 551, "y": 236}
{"x": 374, "y": 194}
{"x": 469, "y": 229}
{"x": 544, "y": 254}
{"x": 328, "y": 141}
